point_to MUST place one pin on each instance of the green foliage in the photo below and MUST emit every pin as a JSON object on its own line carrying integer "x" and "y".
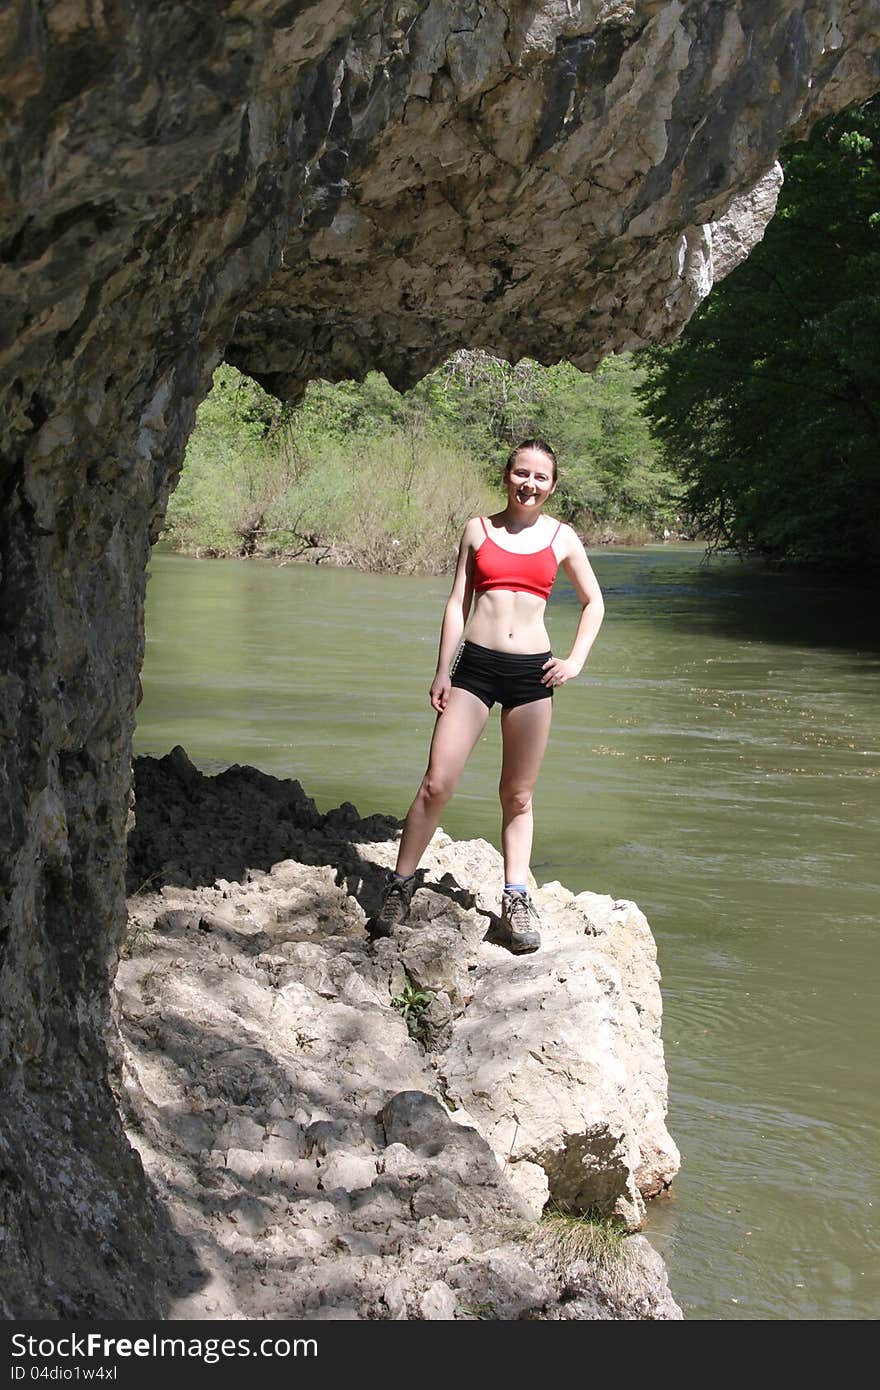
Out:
{"x": 233, "y": 485}
{"x": 365, "y": 475}
{"x": 411, "y": 1003}
{"x": 612, "y": 472}
{"x": 477, "y": 1312}
{"x": 486, "y": 403}
{"x": 768, "y": 407}
{"x": 351, "y": 473}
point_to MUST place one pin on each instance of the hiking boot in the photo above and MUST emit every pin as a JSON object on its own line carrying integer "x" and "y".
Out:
{"x": 396, "y": 898}
{"x": 520, "y": 922}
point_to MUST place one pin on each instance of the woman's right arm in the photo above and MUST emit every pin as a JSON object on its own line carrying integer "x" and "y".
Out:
{"x": 455, "y": 616}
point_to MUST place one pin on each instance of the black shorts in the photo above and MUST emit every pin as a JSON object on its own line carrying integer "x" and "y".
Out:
{"x": 508, "y": 677}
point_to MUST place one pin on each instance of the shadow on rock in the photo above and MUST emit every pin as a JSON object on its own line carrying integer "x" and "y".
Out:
{"x": 86, "y": 1234}
{"x": 347, "y": 1127}
{"x": 192, "y": 830}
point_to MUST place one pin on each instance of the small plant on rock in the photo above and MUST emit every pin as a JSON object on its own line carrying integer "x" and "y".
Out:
{"x": 566, "y": 1240}
{"x": 477, "y": 1312}
{"x": 411, "y": 1003}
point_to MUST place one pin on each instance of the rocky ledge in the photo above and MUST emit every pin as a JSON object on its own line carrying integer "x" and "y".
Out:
{"x": 342, "y": 1127}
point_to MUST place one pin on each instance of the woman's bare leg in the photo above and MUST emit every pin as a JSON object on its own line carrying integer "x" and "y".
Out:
{"x": 455, "y": 734}
{"x": 524, "y": 733}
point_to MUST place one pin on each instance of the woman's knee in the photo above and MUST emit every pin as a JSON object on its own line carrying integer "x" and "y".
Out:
{"x": 516, "y": 801}
{"x": 437, "y": 787}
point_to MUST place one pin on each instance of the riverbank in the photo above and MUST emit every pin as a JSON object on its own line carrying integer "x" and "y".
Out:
{"x": 347, "y": 1128}
{"x": 357, "y": 474}
{"x": 390, "y": 556}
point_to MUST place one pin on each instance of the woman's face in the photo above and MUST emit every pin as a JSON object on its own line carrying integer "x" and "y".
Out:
{"x": 530, "y": 479}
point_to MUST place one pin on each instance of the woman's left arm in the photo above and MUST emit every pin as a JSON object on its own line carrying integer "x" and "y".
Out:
{"x": 586, "y": 586}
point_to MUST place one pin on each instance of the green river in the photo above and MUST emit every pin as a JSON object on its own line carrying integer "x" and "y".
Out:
{"x": 717, "y": 762}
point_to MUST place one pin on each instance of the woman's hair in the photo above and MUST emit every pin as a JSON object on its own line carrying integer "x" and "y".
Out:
{"x": 543, "y": 448}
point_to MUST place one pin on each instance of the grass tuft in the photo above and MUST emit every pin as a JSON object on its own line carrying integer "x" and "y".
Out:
{"x": 566, "y": 1241}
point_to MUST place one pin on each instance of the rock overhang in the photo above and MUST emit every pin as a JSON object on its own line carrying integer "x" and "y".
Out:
{"x": 319, "y": 189}
{"x": 557, "y": 180}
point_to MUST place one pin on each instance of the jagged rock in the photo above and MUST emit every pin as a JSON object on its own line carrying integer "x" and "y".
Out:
{"x": 180, "y": 765}
{"x": 435, "y": 1023}
{"x": 563, "y": 181}
{"x": 325, "y": 1137}
{"x": 529, "y": 1182}
{"x": 417, "y": 1120}
{"x": 571, "y": 1047}
{"x": 434, "y": 960}
{"x": 349, "y": 1171}
{"x": 438, "y": 1302}
{"x": 286, "y": 1139}
{"x": 568, "y": 1041}
{"x": 251, "y": 1216}
{"x": 395, "y": 1297}
{"x": 241, "y": 1132}
{"x": 323, "y": 1133}
{"x": 402, "y": 1162}
{"x": 635, "y": 1286}
{"x": 311, "y": 190}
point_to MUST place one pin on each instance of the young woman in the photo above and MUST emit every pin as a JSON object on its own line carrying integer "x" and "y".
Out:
{"x": 506, "y": 566}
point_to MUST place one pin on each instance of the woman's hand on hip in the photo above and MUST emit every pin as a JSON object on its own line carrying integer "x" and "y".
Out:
{"x": 557, "y": 671}
{"x": 439, "y": 692}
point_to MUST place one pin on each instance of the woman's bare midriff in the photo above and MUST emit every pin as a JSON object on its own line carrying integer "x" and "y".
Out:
{"x": 508, "y": 620}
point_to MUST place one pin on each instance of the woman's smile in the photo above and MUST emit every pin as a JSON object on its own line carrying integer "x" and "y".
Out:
{"x": 529, "y": 479}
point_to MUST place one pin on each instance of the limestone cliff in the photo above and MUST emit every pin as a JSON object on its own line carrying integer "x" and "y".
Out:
{"x": 310, "y": 186}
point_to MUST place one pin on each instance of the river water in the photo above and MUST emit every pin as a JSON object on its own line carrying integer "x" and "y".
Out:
{"x": 717, "y": 762}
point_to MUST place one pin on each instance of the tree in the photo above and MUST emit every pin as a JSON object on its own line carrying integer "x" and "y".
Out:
{"x": 360, "y": 471}
{"x": 239, "y": 469}
{"x": 768, "y": 406}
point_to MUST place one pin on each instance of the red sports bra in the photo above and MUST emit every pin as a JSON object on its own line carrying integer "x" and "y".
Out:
{"x": 497, "y": 568}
